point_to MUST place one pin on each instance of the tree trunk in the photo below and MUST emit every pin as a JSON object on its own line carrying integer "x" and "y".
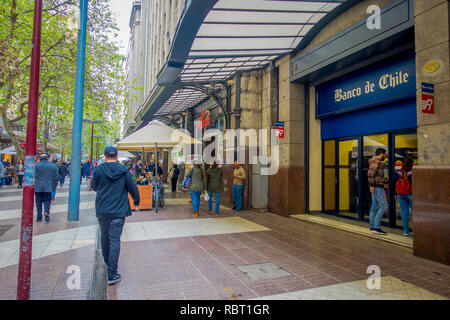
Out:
{"x": 8, "y": 125}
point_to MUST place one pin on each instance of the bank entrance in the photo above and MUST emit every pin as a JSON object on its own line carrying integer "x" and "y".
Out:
{"x": 345, "y": 166}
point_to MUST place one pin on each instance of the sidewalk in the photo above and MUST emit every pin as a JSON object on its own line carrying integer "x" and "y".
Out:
{"x": 57, "y": 245}
{"x": 171, "y": 255}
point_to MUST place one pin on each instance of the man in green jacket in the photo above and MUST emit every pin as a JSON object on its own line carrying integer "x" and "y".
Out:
{"x": 215, "y": 186}
{"x": 198, "y": 185}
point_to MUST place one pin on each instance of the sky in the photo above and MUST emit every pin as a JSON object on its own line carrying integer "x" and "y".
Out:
{"x": 122, "y": 10}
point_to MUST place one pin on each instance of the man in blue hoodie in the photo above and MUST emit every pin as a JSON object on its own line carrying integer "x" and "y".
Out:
{"x": 113, "y": 182}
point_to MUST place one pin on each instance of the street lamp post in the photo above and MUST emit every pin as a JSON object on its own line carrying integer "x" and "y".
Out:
{"x": 92, "y": 141}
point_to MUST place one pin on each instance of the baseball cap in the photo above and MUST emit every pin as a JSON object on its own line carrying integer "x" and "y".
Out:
{"x": 110, "y": 152}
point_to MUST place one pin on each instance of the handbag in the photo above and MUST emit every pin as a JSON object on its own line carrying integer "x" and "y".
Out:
{"x": 170, "y": 176}
{"x": 187, "y": 180}
{"x": 206, "y": 196}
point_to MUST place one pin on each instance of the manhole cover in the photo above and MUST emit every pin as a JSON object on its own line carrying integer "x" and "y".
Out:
{"x": 4, "y": 228}
{"x": 263, "y": 271}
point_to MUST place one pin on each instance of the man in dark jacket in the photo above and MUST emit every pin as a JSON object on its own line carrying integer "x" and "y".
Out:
{"x": 46, "y": 180}
{"x": 113, "y": 182}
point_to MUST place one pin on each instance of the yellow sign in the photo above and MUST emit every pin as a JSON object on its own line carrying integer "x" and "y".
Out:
{"x": 431, "y": 66}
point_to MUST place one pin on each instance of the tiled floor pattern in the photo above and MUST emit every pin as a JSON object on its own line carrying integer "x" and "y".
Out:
{"x": 57, "y": 208}
{"x": 207, "y": 266}
{"x": 61, "y": 193}
{"x": 361, "y": 230}
{"x": 57, "y": 245}
{"x": 170, "y": 255}
{"x": 391, "y": 288}
{"x": 149, "y": 230}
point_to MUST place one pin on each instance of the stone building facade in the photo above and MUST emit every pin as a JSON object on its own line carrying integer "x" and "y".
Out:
{"x": 341, "y": 50}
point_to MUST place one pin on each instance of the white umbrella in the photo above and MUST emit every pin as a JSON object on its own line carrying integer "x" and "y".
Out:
{"x": 125, "y": 154}
{"x": 9, "y": 150}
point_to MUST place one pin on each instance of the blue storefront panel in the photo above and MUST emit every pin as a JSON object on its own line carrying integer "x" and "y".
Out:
{"x": 395, "y": 116}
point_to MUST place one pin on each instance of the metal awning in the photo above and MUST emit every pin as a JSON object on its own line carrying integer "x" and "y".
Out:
{"x": 216, "y": 39}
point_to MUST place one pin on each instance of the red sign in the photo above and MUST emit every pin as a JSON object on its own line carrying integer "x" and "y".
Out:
{"x": 279, "y": 133}
{"x": 205, "y": 119}
{"x": 427, "y": 102}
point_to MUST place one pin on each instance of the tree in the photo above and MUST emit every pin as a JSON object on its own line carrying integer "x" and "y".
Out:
{"x": 103, "y": 79}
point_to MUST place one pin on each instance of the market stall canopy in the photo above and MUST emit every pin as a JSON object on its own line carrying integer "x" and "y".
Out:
{"x": 125, "y": 154}
{"x": 9, "y": 150}
{"x": 155, "y": 134}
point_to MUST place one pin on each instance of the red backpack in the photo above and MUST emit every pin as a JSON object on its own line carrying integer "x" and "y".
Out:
{"x": 403, "y": 187}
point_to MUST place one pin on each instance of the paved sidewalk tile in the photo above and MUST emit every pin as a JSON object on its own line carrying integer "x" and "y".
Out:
{"x": 171, "y": 255}
{"x": 61, "y": 249}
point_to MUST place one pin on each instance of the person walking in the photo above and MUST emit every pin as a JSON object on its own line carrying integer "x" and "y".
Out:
{"x": 198, "y": 185}
{"x": 403, "y": 191}
{"x": 46, "y": 180}
{"x": 174, "y": 174}
{"x": 2, "y": 174}
{"x": 87, "y": 169}
{"x": 238, "y": 186}
{"x": 215, "y": 186}
{"x": 20, "y": 170}
{"x": 58, "y": 166}
{"x": 377, "y": 183}
{"x": 63, "y": 171}
{"x": 113, "y": 182}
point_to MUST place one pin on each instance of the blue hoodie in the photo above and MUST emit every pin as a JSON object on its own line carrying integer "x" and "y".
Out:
{"x": 113, "y": 182}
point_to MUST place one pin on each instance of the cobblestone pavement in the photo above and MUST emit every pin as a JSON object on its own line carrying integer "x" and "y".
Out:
{"x": 57, "y": 245}
{"x": 171, "y": 255}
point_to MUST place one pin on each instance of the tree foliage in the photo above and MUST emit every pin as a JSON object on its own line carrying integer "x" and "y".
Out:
{"x": 104, "y": 82}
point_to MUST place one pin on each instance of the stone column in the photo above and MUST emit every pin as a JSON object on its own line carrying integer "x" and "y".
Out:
{"x": 287, "y": 187}
{"x": 431, "y": 178}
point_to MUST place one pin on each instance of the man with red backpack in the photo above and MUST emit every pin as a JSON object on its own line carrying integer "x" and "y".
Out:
{"x": 403, "y": 191}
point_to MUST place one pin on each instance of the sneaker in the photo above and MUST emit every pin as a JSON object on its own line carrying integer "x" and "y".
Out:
{"x": 38, "y": 220}
{"x": 210, "y": 212}
{"x": 405, "y": 234}
{"x": 372, "y": 230}
{"x": 47, "y": 216}
{"x": 379, "y": 231}
{"x": 116, "y": 279}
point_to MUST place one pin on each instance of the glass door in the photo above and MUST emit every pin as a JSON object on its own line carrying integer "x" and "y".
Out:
{"x": 329, "y": 176}
{"x": 370, "y": 144}
{"x": 348, "y": 198}
{"x": 405, "y": 146}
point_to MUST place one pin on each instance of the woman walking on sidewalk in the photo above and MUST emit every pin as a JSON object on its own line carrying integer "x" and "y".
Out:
{"x": 198, "y": 185}
{"x": 403, "y": 191}
{"x": 19, "y": 172}
{"x": 215, "y": 186}
{"x": 62, "y": 173}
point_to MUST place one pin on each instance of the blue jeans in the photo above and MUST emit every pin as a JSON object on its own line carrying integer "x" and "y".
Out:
{"x": 63, "y": 179}
{"x": 42, "y": 198}
{"x": 378, "y": 200}
{"x": 237, "y": 196}
{"x": 2, "y": 182}
{"x": 405, "y": 205}
{"x": 217, "y": 194}
{"x": 111, "y": 231}
{"x": 195, "y": 200}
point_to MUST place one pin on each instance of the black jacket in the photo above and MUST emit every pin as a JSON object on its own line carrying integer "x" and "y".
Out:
{"x": 113, "y": 182}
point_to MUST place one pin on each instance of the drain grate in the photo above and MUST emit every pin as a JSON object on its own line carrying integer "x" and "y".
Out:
{"x": 4, "y": 228}
{"x": 264, "y": 271}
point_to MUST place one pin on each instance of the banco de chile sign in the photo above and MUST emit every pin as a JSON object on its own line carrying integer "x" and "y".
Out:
{"x": 379, "y": 84}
